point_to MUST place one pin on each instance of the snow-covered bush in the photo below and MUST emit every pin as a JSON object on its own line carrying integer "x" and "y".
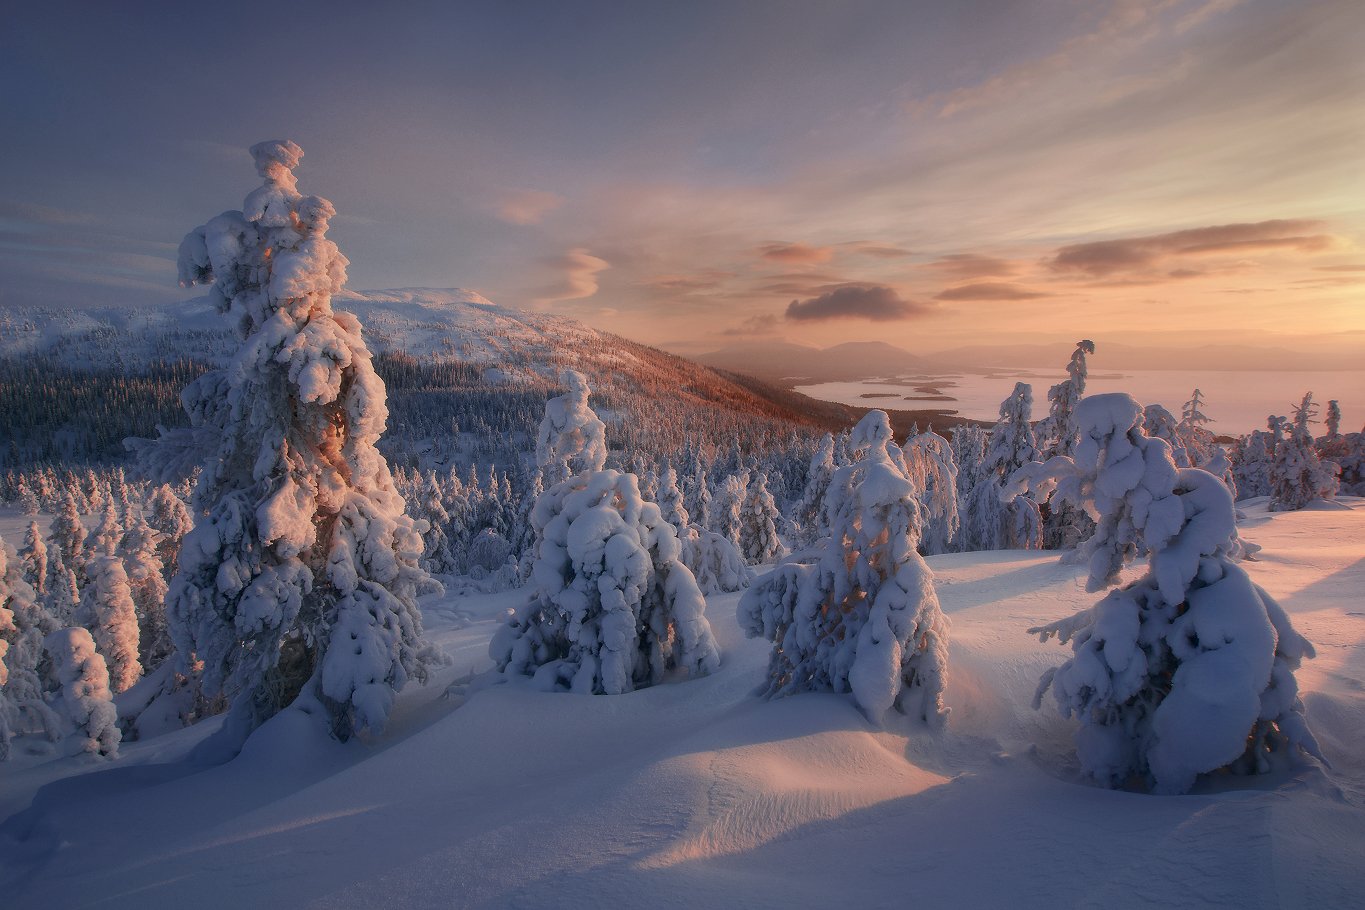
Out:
{"x": 84, "y": 694}
{"x": 304, "y": 569}
{"x": 614, "y": 607}
{"x": 865, "y": 618}
{"x": 1190, "y": 668}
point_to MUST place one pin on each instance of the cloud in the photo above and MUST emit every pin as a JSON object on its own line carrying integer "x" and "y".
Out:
{"x": 762, "y": 324}
{"x": 989, "y": 290}
{"x": 579, "y": 278}
{"x": 684, "y": 284}
{"x": 1341, "y": 268}
{"x": 877, "y": 250}
{"x": 795, "y": 253}
{"x": 525, "y": 207}
{"x": 855, "y": 301}
{"x": 1106, "y": 257}
{"x": 972, "y": 265}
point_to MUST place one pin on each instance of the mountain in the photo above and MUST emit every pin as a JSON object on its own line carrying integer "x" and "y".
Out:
{"x": 790, "y": 364}
{"x": 1118, "y": 356}
{"x": 467, "y": 380}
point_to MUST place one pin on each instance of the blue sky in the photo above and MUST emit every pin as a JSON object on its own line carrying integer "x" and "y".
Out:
{"x": 702, "y": 173}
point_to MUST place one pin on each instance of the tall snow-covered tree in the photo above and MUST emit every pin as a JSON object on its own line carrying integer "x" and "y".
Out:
{"x": 933, "y": 470}
{"x": 865, "y": 618}
{"x": 108, "y": 610}
{"x": 33, "y": 559}
{"x": 302, "y": 577}
{"x": 729, "y": 511}
{"x": 147, "y": 582}
{"x": 23, "y": 623}
{"x": 614, "y": 607}
{"x": 759, "y": 516}
{"x": 992, "y": 523}
{"x": 1189, "y": 668}
{"x": 810, "y": 515}
{"x": 1159, "y": 423}
{"x": 84, "y": 694}
{"x": 1297, "y": 475}
{"x": 1194, "y": 434}
{"x": 68, "y": 532}
{"x": 169, "y": 517}
{"x": 1057, "y": 432}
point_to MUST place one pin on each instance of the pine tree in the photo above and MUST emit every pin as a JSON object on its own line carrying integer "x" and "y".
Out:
{"x": 23, "y": 623}
{"x": 1058, "y": 431}
{"x": 68, "y": 533}
{"x": 865, "y": 619}
{"x": 170, "y": 518}
{"x": 810, "y": 512}
{"x": 321, "y": 599}
{"x": 107, "y": 609}
{"x": 1297, "y": 475}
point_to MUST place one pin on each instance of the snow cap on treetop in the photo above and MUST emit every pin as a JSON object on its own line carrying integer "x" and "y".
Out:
{"x": 872, "y": 432}
{"x": 275, "y": 158}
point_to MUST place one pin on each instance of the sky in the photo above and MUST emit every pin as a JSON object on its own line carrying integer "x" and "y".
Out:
{"x": 696, "y": 175}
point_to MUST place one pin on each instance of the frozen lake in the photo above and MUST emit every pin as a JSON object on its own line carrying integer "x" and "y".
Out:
{"x": 1237, "y": 401}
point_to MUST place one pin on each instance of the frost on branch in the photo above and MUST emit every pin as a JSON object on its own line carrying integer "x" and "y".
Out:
{"x": 1189, "y": 668}
{"x": 303, "y": 571}
{"x": 865, "y": 618}
{"x": 614, "y": 609}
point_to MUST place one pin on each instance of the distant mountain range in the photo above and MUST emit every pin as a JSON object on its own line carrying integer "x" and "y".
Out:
{"x": 788, "y": 364}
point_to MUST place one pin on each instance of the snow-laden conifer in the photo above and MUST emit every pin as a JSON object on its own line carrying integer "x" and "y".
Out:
{"x": 68, "y": 532}
{"x": 1297, "y": 475}
{"x": 303, "y": 573}
{"x": 864, "y": 618}
{"x": 759, "y": 541}
{"x": 933, "y": 470}
{"x": 1189, "y": 668}
{"x": 170, "y": 518}
{"x": 146, "y": 580}
{"x": 995, "y": 522}
{"x": 810, "y": 511}
{"x": 83, "y": 693}
{"x": 33, "y": 559}
{"x": 24, "y": 620}
{"x": 108, "y": 610}
{"x": 614, "y": 607}
{"x": 1058, "y": 432}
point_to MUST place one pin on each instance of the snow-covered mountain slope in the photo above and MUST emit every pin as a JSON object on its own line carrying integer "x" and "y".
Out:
{"x": 697, "y": 794}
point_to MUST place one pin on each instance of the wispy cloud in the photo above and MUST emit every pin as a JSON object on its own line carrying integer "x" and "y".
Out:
{"x": 1107, "y": 257}
{"x": 795, "y": 253}
{"x": 989, "y": 290}
{"x": 577, "y": 280}
{"x": 525, "y": 207}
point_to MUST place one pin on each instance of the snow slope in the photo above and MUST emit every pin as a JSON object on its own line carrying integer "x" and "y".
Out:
{"x": 697, "y": 794}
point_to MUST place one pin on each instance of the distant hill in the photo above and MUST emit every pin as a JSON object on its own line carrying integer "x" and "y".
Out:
{"x": 790, "y": 364}
{"x": 467, "y": 379}
{"x": 1119, "y": 356}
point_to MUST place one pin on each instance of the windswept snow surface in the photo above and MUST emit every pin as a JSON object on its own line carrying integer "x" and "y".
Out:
{"x": 698, "y": 794}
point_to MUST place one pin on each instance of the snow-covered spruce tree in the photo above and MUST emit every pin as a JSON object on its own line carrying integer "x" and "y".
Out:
{"x": 969, "y": 453}
{"x": 23, "y": 622}
{"x": 716, "y": 563}
{"x": 302, "y": 577}
{"x": 27, "y": 499}
{"x": 729, "y": 511}
{"x": 1297, "y": 475}
{"x": 614, "y": 607}
{"x": 85, "y": 699}
{"x": 146, "y": 580}
{"x": 810, "y": 515}
{"x": 1332, "y": 422}
{"x": 108, "y": 611}
{"x": 1057, "y": 433}
{"x": 933, "y": 470}
{"x": 1159, "y": 423}
{"x": 63, "y": 591}
{"x": 169, "y": 517}
{"x": 865, "y": 618}
{"x": 33, "y": 559}
{"x": 1190, "y": 668}
{"x": 571, "y": 439}
{"x": 1196, "y": 437}
{"x": 671, "y": 504}
{"x": 68, "y": 532}
{"x": 994, "y": 522}
{"x": 758, "y": 523}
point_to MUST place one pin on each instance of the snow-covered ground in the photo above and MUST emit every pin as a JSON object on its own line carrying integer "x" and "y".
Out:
{"x": 698, "y": 794}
